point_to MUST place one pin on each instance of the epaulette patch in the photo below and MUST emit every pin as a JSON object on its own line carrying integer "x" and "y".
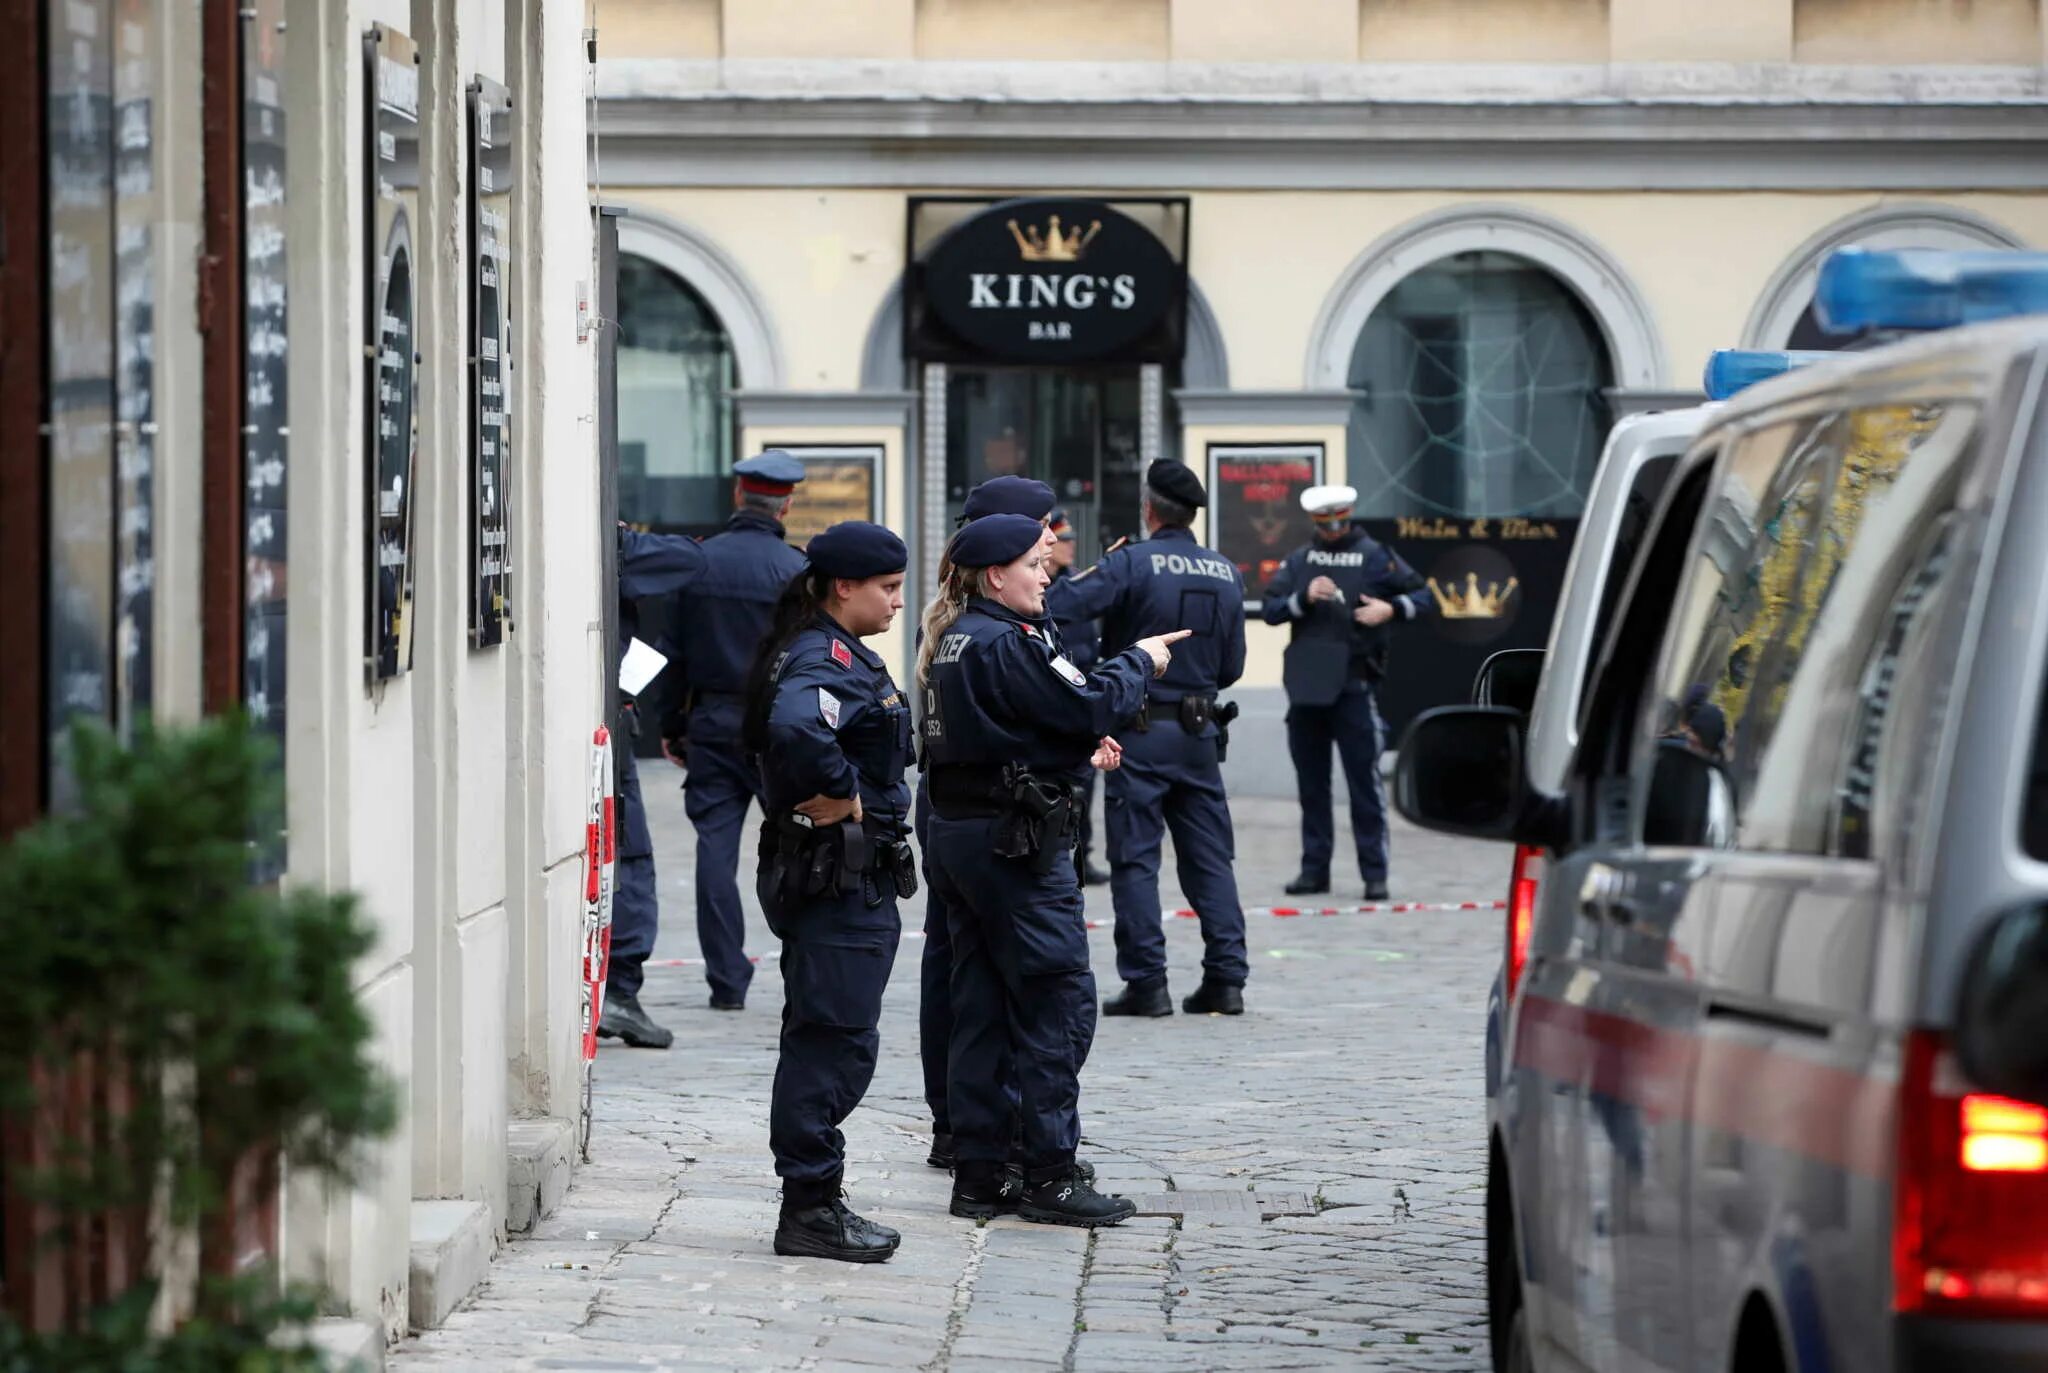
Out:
{"x": 841, "y": 654}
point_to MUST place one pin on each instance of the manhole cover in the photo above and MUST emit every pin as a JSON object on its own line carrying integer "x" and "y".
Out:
{"x": 1227, "y": 1205}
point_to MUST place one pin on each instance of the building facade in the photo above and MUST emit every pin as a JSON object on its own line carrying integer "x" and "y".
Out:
{"x": 299, "y": 398}
{"x": 1428, "y": 250}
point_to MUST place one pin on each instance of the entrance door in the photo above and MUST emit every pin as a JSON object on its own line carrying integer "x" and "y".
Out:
{"x": 1076, "y": 431}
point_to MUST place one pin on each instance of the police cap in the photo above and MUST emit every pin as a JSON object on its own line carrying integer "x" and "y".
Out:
{"x": 1329, "y": 500}
{"x": 1062, "y": 528}
{"x": 994, "y": 540}
{"x": 1010, "y": 496}
{"x": 1175, "y": 480}
{"x": 773, "y": 473}
{"x": 855, "y": 549}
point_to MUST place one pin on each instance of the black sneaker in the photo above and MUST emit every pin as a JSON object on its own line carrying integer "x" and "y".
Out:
{"x": 1308, "y": 884}
{"x": 941, "y": 1155}
{"x": 1375, "y": 888}
{"x": 1063, "y": 1198}
{"x": 983, "y": 1191}
{"x": 1215, "y": 998}
{"x": 728, "y": 1003}
{"x": 623, "y": 1019}
{"x": 833, "y": 1231}
{"x": 1140, "y": 998}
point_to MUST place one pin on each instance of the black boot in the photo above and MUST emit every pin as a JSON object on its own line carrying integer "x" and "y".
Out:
{"x": 1215, "y": 998}
{"x": 1375, "y": 888}
{"x": 1308, "y": 883}
{"x": 817, "y": 1223}
{"x": 1140, "y": 998}
{"x": 1059, "y": 1196}
{"x": 941, "y": 1155}
{"x": 623, "y": 1019}
{"x": 983, "y": 1191}
{"x": 1092, "y": 876}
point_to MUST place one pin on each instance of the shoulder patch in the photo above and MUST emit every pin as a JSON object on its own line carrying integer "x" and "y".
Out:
{"x": 1073, "y": 675}
{"x": 1030, "y": 630}
{"x": 828, "y": 708}
{"x": 841, "y": 655}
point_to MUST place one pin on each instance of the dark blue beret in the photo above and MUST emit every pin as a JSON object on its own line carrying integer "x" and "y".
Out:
{"x": 772, "y": 473}
{"x": 1010, "y": 496}
{"x": 994, "y": 540}
{"x": 855, "y": 549}
{"x": 1176, "y": 481}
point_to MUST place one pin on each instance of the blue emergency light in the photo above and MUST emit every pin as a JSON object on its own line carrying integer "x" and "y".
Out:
{"x": 1731, "y": 369}
{"x": 1925, "y": 288}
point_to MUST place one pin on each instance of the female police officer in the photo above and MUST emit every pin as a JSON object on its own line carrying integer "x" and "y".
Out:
{"x": 832, "y": 734}
{"x": 1006, "y": 719}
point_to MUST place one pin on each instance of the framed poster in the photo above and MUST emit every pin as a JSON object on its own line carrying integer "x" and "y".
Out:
{"x": 1255, "y": 514}
{"x": 491, "y": 169}
{"x": 266, "y": 421}
{"x": 841, "y": 482}
{"x": 392, "y": 85}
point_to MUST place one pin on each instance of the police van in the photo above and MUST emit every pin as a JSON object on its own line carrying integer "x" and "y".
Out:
{"x": 1774, "y": 1083}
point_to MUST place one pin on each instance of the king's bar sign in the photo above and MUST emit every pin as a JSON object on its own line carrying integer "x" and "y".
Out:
{"x": 1052, "y": 281}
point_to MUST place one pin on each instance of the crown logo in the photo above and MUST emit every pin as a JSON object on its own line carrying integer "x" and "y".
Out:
{"x": 1052, "y": 245}
{"x": 1472, "y": 603}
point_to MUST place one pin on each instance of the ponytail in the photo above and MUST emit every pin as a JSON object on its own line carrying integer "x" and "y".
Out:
{"x": 797, "y": 607}
{"x": 957, "y": 585}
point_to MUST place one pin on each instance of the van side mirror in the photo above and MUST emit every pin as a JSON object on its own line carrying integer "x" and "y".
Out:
{"x": 1508, "y": 678}
{"x": 1460, "y": 771}
{"x": 2002, "y": 1012}
{"x": 1691, "y": 802}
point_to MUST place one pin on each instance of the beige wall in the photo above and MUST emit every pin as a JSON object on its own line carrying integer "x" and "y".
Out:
{"x": 809, "y": 28}
{"x": 1729, "y": 31}
{"x": 1917, "y": 31}
{"x": 1276, "y": 31}
{"x": 1009, "y": 31}
{"x": 662, "y": 28}
{"x": 1482, "y": 31}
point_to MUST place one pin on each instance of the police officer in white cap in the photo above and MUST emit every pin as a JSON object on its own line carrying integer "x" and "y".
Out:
{"x": 1338, "y": 593}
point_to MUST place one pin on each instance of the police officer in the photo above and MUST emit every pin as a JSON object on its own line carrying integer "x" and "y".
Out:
{"x": 649, "y": 565}
{"x": 721, "y": 627}
{"x": 832, "y": 734}
{"x": 1171, "y": 777}
{"x": 1009, "y": 495}
{"x": 1006, "y": 719}
{"x": 1338, "y": 593}
{"x": 1082, "y": 641}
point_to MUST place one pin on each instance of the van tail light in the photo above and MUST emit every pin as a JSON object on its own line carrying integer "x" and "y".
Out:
{"x": 1528, "y": 873}
{"x": 1970, "y": 1229}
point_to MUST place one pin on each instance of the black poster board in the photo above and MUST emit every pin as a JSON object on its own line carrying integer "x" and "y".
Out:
{"x": 266, "y": 424}
{"x": 393, "y": 89}
{"x": 1255, "y": 514}
{"x": 841, "y": 482}
{"x": 135, "y": 40}
{"x": 491, "y": 169}
{"x": 79, "y": 182}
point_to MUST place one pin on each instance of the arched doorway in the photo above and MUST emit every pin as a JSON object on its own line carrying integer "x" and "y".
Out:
{"x": 676, "y": 378}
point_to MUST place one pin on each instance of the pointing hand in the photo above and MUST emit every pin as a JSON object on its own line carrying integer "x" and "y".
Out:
{"x": 1159, "y": 648}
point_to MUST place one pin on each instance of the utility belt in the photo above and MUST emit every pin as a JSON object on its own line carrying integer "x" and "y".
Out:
{"x": 802, "y": 861}
{"x": 1039, "y": 819}
{"x": 1194, "y": 714}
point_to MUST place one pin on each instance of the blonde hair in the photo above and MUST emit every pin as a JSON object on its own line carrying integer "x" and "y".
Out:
{"x": 956, "y": 586}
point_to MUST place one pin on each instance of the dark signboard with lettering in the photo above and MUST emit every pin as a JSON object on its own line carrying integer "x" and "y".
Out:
{"x": 265, "y": 419}
{"x": 491, "y": 169}
{"x": 393, "y": 92}
{"x": 79, "y": 172}
{"x": 1495, "y": 584}
{"x": 1255, "y": 514}
{"x": 1048, "y": 281}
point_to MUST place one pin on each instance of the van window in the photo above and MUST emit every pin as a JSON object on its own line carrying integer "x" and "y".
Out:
{"x": 2034, "y": 810}
{"x": 1823, "y": 554}
{"x": 1637, "y": 508}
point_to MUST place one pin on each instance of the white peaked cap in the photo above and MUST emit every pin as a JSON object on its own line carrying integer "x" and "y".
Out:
{"x": 1318, "y": 499}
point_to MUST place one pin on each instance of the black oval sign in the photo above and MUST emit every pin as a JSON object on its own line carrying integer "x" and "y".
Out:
{"x": 1051, "y": 280}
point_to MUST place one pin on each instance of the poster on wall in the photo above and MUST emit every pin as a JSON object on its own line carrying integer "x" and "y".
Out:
{"x": 490, "y": 437}
{"x": 841, "y": 482}
{"x": 1255, "y": 514}
{"x": 266, "y": 420}
{"x": 135, "y": 290}
{"x": 393, "y": 87}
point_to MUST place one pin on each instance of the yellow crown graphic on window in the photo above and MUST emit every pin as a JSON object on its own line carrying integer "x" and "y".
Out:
{"x": 1052, "y": 245}
{"x": 1472, "y": 603}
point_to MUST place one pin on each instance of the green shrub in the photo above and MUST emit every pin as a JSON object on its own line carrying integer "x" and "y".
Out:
{"x": 137, "y": 944}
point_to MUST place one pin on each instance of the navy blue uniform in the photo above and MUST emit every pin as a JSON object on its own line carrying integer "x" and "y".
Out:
{"x": 1082, "y": 640}
{"x": 837, "y": 723}
{"x": 649, "y": 565}
{"x": 1335, "y": 703}
{"x": 721, "y": 626}
{"x": 1171, "y": 777}
{"x": 1023, "y": 998}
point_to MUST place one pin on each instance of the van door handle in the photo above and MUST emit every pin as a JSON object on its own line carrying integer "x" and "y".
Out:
{"x": 1605, "y": 891}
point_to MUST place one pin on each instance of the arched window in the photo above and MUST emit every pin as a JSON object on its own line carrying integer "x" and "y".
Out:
{"x": 1483, "y": 380}
{"x": 675, "y": 401}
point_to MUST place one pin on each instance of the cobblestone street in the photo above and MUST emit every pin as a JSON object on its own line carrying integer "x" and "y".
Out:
{"x": 1311, "y": 1175}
